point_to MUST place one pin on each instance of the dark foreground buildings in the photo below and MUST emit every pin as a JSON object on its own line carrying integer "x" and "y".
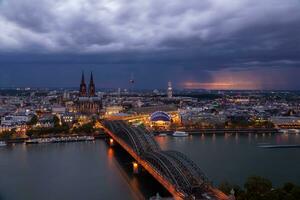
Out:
{"x": 88, "y": 102}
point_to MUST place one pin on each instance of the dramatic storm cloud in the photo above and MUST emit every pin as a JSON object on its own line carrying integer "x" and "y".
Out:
{"x": 208, "y": 43}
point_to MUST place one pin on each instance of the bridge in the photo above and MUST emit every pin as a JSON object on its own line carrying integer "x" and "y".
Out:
{"x": 175, "y": 171}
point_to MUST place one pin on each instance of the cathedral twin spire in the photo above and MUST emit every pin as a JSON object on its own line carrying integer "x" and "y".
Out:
{"x": 83, "y": 89}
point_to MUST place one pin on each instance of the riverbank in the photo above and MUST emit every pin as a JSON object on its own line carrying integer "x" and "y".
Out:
{"x": 52, "y": 138}
{"x": 223, "y": 131}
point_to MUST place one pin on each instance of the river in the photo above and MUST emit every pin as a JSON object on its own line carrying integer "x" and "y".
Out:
{"x": 92, "y": 170}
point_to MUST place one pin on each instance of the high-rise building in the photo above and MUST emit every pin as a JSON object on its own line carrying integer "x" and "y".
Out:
{"x": 170, "y": 90}
{"x": 66, "y": 95}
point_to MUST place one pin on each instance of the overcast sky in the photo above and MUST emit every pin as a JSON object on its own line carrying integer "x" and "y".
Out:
{"x": 213, "y": 44}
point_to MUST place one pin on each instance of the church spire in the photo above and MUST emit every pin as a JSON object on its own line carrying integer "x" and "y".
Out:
{"x": 92, "y": 78}
{"x": 82, "y": 90}
{"x": 82, "y": 78}
{"x": 92, "y": 86}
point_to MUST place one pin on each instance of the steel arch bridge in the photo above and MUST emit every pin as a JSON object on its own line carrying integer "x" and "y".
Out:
{"x": 175, "y": 171}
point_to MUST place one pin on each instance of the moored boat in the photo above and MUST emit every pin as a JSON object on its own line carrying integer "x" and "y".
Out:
{"x": 180, "y": 134}
{"x": 294, "y": 131}
{"x": 2, "y": 143}
{"x": 284, "y": 131}
{"x": 60, "y": 139}
{"x": 280, "y": 146}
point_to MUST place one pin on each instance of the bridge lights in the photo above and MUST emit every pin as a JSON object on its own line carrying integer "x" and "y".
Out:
{"x": 111, "y": 141}
{"x": 136, "y": 167}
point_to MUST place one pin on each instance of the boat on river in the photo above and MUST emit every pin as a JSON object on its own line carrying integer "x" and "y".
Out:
{"x": 280, "y": 146}
{"x": 180, "y": 134}
{"x": 2, "y": 144}
{"x": 286, "y": 131}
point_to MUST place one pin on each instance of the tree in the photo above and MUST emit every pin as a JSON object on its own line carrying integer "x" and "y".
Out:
{"x": 287, "y": 187}
{"x": 275, "y": 194}
{"x": 85, "y": 128}
{"x": 29, "y": 132}
{"x": 55, "y": 121}
{"x": 295, "y": 192}
{"x": 225, "y": 187}
{"x": 6, "y": 135}
{"x": 33, "y": 120}
{"x": 256, "y": 187}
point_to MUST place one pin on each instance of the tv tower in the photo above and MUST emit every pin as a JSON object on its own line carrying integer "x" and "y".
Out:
{"x": 131, "y": 82}
{"x": 170, "y": 90}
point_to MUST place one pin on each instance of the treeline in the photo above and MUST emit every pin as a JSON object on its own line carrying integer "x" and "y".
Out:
{"x": 6, "y": 135}
{"x": 35, "y": 132}
{"x": 258, "y": 188}
{"x": 250, "y": 123}
{"x": 87, "y": 128}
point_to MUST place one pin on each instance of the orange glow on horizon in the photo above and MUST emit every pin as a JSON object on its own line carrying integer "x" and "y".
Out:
{"x": 231, "y": 79}
{"x": 198, "y": 85}
{"x": 218, "y": 85}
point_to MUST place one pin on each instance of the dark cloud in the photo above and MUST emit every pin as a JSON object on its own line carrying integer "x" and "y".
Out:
{"x": 173, "y": 40}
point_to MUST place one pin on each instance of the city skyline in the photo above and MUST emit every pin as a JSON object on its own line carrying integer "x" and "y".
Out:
{"x": 208, "y": 44}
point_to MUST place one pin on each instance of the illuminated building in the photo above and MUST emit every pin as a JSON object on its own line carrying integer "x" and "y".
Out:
{"x": 11, "y": 120}
{"x": 112, "y": 110}
{"x": 68, "y": 118}
{"x": 160, "y": 120}
{"x": 88, "y": 102}
{"x": 285, "y": 121}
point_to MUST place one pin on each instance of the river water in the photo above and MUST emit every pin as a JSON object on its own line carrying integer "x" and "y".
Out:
{"x": 92, "y": 170}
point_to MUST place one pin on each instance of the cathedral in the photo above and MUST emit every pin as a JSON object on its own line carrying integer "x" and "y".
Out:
{"x": 88, "y": 102}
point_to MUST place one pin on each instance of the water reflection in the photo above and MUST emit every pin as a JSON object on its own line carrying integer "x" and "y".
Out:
{"x": 249, "y": 138}
{"x": 142, "y": 185}
{"x": 236, "y": 138}
{"x": 77, "y": 171}
{"x": 131, "y": 182}
{"x": 241, "y": 157}
{"x": 162, "y": 141}
{"x": 214, "y": 138}
{"x": 202, "y": 137}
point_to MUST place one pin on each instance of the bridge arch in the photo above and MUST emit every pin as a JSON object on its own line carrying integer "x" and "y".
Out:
{"x": 124, "y": 134}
